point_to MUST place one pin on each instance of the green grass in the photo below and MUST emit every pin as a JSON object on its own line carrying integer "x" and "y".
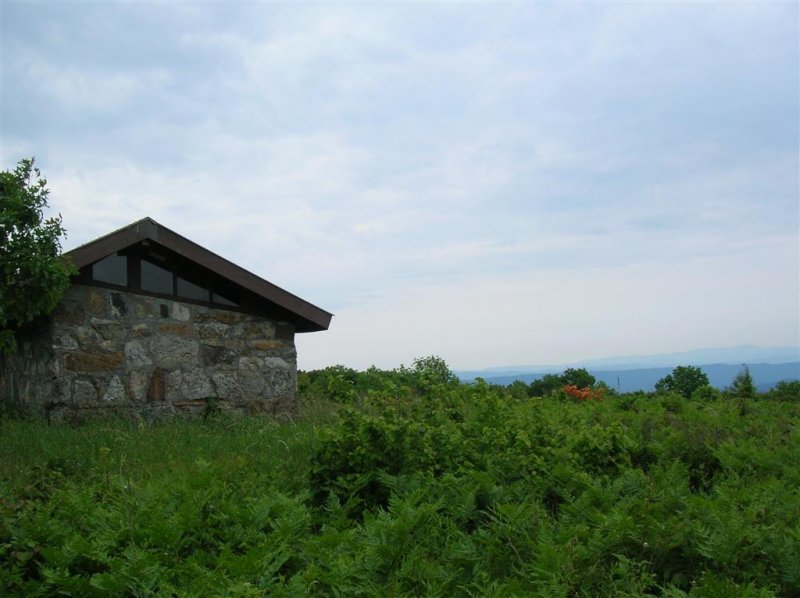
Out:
{"x": 447, "y": 490}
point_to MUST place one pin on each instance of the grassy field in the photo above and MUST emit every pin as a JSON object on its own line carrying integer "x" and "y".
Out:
{"x": 411, "y": 487}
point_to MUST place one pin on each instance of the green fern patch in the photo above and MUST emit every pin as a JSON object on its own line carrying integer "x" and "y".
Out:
{"x": 408, "y": 483}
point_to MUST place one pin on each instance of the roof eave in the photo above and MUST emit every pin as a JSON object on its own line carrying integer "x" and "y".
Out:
{"x": 310, "y": 317}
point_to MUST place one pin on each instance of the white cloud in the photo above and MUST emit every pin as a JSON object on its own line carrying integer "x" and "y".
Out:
{"x": 448, "y": 169}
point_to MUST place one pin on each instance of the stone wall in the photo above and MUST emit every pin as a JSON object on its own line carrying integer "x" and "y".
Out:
{"x": 109, "y": 351}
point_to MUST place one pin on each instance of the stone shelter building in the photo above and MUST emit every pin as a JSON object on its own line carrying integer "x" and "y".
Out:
{"x": 154, "y": 325}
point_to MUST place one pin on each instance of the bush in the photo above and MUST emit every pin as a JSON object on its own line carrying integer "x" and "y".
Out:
{"x": 786, "y": 391}
{"x": 684, "y": 379}
{"x": 706, "y": 393}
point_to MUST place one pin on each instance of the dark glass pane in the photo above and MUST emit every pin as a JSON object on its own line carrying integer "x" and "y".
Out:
{"x": 189, "y": 290}
{"x": 112, "y": 270}
{"x": 156, "y": 279}
{"x": 223, "y": 301}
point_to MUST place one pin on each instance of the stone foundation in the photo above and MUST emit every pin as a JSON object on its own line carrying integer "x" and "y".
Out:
{"x": 106, "y": 351}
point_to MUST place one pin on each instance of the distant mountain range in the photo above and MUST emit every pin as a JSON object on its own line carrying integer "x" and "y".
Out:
{"x": 768, "y": 366}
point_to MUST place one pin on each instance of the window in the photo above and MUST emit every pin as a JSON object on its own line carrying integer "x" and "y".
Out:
{"x": 190, "y": 290}
{"x": 112, "y": 269}
{"x": 217, "y": 298}
{"x": 164, "y": 273}
{"x": 156, "y": 279}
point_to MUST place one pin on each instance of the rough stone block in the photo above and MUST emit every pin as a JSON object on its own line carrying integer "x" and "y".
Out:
{"x": 138, "y": 384}
{"x": 115, "y": 391}
{"x": 96, "y": 302}
{"x": 174, "y": 380}
{"x": 144, "y": 307}
{"x": 109, "y": 330}
{"x": 279, "y": 382}
{"x": 65, "y": 342}
{"x": 225, "y": 384}
{"x": 136, "y": 355}
{"x": 214, "y": 332}
{"x": 176, "y": 328}
{"x": 70, "y": 313}
{"x": 157, "y": 388}
{"x": 255, "y": 330}
{"x": 263, "y": 345}
{"x": 212, "y": 355}
{"x": 171, "y": 352}
{"x": 192, "y": 406}
{"x": 195, "y": 384}
{"x": 251, "y": 377}
{"x": 86, "y": 335}
{"x": 82, "y": 361}
{"x": 275, "y": 363}
{"x": 84, "y": 393}
{"x": 226, "y": 317}
{"x": 285, "y": 331}
{"x": 179, "y": 311}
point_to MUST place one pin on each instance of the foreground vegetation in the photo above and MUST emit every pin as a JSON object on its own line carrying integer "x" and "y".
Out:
{"x": 408, "y": 483}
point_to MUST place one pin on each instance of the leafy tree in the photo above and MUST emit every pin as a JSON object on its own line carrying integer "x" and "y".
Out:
{"x": 786, "y": 390}
{"x": 706, "y": 393}
{"x": 545, "y": 385}
{"x": 518, "y": 389}
{"x": 743, "y": 386}
{"x": 549, "y": 383}
{"x": 33, "y": 276}
{"x": 433, "y": 370}
{"x": 684, "y": 379}
{"x": 578, "y": 377}
{"x": 606, "y": 389}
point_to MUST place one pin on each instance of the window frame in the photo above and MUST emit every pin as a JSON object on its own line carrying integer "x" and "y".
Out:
{"x": 179, "y": 267}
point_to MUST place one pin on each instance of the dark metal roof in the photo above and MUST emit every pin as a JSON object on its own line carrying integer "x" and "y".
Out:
{"x": 309, "y": 318}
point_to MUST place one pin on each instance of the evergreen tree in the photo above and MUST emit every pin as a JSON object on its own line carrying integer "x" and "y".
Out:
{"x": 743, "y": 386}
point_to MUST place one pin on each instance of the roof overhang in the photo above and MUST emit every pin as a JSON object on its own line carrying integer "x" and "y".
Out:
{"x": 310, "y": 318}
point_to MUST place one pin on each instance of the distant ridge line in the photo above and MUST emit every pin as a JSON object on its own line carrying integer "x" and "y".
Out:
{"x": 765, "y": 376}
{"x": 744, "y": 354}
{"x": 768, "y": 365}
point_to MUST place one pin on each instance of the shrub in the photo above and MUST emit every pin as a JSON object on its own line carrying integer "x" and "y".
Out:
{"x": 786, "y": 391}
{"x": 684, "y": 379}
{"x": 584, "y": 394}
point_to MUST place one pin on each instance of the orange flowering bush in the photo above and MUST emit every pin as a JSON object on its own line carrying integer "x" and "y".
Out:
{"x": 584, "y": 394}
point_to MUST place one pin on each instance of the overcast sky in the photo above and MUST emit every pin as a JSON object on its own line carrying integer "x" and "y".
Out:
{"x": 497, "y": 184}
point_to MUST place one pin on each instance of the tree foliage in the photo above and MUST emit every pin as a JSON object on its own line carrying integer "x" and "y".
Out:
{"x": 786, "y": 390}
{"x": 545, "y": 385}
{"x": 434, "y": 370}
{"x": 743, "y": 386}
{"x": 346, "y": 385}
{"x": 579, "y": 377}
{"x": 684, "y": 379}
{"x": 550, "y": 383}
{"x": 33, "y": 276}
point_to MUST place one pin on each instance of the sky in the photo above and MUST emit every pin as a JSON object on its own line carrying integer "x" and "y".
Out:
{"x": 493, "y": 183}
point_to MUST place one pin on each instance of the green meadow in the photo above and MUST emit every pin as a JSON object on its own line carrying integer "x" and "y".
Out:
{"x": 409, "y": 483}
